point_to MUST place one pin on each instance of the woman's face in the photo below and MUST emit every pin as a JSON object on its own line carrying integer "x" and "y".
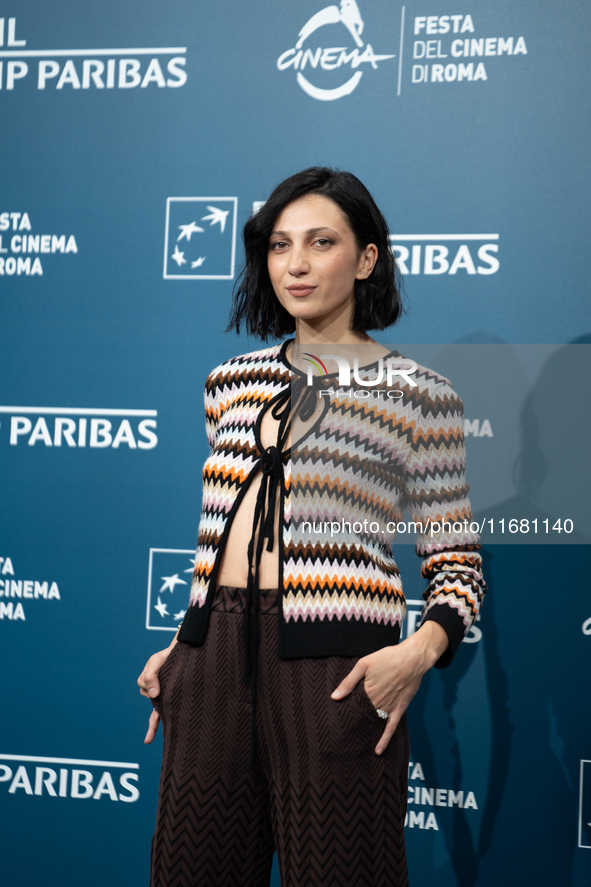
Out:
{"x": 314, "y": 260}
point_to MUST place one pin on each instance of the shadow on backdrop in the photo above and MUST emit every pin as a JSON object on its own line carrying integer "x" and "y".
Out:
{"x": 534, "y": 715}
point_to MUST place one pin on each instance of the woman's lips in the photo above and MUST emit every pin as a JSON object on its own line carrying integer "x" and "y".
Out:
{"x": 300, "y": 290}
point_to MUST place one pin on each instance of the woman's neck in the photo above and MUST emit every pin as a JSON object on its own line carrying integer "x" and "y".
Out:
{"x": 335, "y": 333}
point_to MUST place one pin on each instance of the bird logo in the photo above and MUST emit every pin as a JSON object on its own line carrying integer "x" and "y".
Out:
{"x": 217, "y": 216}
{"x": 200, "y": 238}
{"x": 187, "y": 230}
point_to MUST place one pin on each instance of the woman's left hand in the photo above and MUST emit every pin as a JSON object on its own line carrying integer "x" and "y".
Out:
{"x": 393, "y": 675}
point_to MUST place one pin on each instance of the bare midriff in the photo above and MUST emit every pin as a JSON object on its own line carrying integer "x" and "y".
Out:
{"x": 234, "y": 566}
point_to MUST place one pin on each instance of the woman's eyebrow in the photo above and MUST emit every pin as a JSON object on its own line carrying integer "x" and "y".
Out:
{"x": 309, "y": 231}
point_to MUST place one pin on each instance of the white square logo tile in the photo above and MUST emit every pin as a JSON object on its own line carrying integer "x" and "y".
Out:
{"x": 200, "y": 238}
{"x": 585, "y": 805}
{"x": 169, "y": 583}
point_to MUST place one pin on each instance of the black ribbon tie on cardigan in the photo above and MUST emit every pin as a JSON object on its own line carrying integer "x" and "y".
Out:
{"x": 271, "y": 463}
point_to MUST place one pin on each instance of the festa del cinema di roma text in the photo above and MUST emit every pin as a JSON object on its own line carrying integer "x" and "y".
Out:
{"x": 19, "y": 249}
{"x": 444, "y": 52}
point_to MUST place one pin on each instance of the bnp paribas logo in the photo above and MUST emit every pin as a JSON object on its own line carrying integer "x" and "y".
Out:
{"x": 169, "y": 583}
{"x": 200, "y": 238}
{"x": 329, "y": 72}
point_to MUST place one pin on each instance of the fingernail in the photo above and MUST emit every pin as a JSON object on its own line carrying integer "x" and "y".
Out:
{"x": 152, "y": 692}
{"x": 379, "y": 751}
{"x": 336, "y": 694}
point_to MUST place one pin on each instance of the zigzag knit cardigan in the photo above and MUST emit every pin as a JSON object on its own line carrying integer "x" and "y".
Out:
{"x": 362, "y": 460}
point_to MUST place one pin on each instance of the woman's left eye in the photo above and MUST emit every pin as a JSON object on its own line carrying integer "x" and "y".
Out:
{"x": 323, "y": 241}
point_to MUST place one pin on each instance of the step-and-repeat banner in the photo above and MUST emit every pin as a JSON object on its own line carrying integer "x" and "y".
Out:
{"x": 136, "y": 140}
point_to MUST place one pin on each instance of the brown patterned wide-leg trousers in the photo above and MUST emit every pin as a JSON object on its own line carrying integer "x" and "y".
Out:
{"x": 318, "y": 793}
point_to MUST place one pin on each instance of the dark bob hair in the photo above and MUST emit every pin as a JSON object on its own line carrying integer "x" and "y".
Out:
{"x": 377, "y": 300}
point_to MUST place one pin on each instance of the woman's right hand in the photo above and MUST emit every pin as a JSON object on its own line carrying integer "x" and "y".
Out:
{"x": 150, "y": 686}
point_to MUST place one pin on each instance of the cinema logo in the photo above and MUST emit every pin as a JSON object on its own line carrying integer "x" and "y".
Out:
{"x": 414, "y": 609}
{"x": 81, "y": 427}
{"x": 160, "y": 67}
{"x": 69, "y": 778}
{"x": 320, "y": 62}
{"x": 434, "y": 254}
{"x": 14, "y": 591}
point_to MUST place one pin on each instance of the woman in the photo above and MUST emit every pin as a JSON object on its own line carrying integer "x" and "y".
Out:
{"x": 283, "y": 696}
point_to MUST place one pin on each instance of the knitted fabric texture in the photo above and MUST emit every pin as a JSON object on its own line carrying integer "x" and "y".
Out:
{"x": 364, "y": 460}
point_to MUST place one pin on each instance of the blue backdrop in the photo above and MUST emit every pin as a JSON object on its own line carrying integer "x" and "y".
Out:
{"x": 136, "y": 139}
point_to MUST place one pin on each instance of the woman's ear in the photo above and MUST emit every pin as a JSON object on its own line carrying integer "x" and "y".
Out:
{"x": 367, "y": 261}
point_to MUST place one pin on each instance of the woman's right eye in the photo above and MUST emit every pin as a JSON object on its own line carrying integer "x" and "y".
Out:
{"x": 278, "y": 245}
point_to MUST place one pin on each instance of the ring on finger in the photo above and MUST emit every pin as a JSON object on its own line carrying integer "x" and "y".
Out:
{"x": 382, "y": 714}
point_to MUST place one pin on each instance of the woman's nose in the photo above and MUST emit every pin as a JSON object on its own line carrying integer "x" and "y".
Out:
{"x": 299, "y": 263}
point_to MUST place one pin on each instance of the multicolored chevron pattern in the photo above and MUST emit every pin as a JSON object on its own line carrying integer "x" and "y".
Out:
{"x": 364, "y": 460}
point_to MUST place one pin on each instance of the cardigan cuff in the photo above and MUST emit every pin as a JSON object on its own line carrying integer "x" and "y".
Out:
{"x": 454, "y": 627}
